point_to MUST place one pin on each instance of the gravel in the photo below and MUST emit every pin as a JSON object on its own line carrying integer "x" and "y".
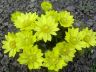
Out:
{"x": 84, "y": 12}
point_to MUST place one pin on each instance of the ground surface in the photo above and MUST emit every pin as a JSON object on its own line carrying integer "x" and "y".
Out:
{"x": 84, "y": 12}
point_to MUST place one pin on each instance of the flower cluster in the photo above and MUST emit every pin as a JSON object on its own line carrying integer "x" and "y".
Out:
{"x": 33, "y": 28}
{"x": 80, "y": 39}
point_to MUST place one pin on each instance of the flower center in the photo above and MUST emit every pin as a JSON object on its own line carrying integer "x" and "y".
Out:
{"x": 74, "y": 40}
{"x": 45, "y": 29}
{"x": 86, "y": 38}
{"x": 13, "y": 44}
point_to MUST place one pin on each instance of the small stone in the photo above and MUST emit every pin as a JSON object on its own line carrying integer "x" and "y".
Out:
{"x": 89, "y": 22}
{"x": 95, "y": 18}
{"x": 4, "y": 60}
{"x": 1, "y": 55}
{"x": 6, "y": 24}
{"x": 70, "y": 8}
{"x": 77, "y": 24}
{"x": 32, "y": 0}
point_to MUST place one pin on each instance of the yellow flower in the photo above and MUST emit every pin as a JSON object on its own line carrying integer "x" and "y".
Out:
{"x": 15, "y": 15}
{"x": 89, "y": 37}
{"x": 26, "y": 21}
{"x": 45, "y": 27}
{"x": 66, "y": 19}
{"x": 53, "y": 61}
{"x": 54, "y": 14}
{"x": 10, "y": 44}
{"x": 65, "y": 51}
{"x": 74, "y": 37}
{"x": 46, "y": 5}
{"x": 32, "y": 57}
{"x": 25, "y": 39}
